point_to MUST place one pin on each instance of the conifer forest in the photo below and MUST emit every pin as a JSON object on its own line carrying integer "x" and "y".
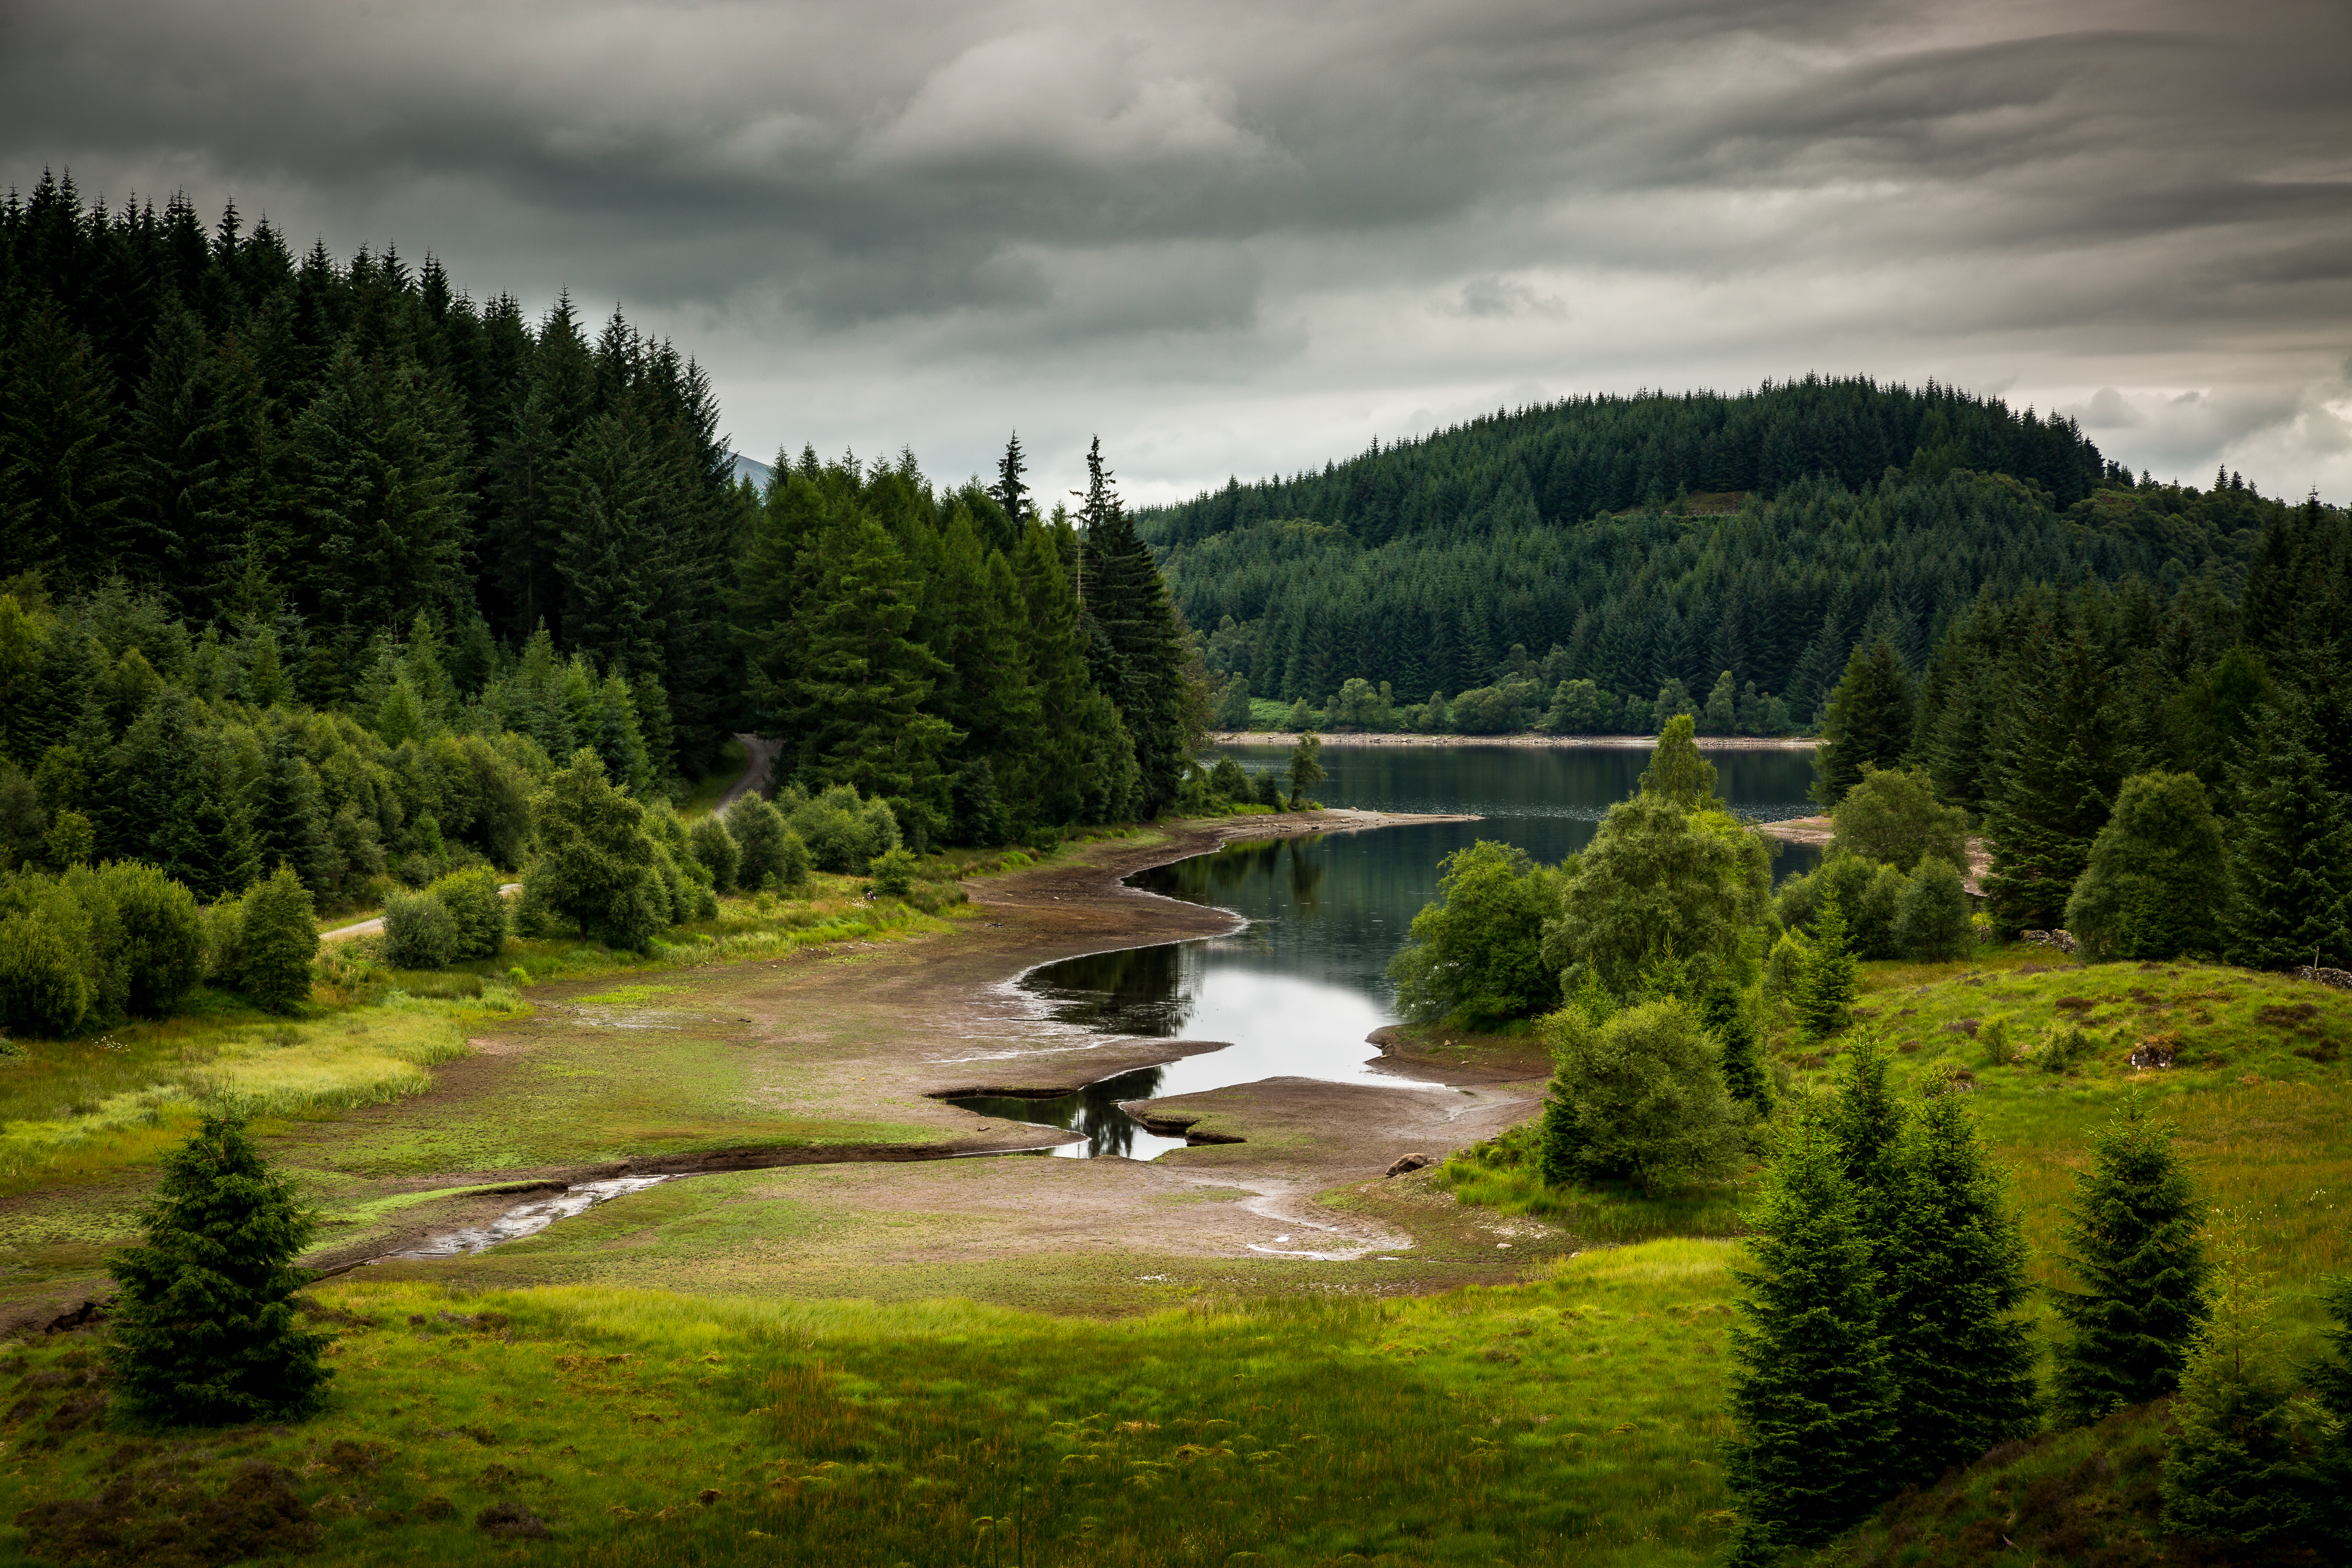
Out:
{"x": 533, "y": 966}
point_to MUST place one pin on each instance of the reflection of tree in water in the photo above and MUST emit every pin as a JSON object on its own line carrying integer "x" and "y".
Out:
{"x": 1093, "y": 1110}
{"x": 1306, "y": 876}
{"x": 1138, "y": 991}
{"x": 1215, "y": 877}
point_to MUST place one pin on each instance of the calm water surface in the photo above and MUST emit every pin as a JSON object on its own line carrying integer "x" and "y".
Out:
{"x": 1299, "y": 987}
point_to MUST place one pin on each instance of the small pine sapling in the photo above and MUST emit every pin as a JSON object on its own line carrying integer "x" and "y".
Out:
{"x": 204, "y": 1333}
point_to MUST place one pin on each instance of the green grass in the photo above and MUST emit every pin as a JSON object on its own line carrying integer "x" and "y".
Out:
{"x": 1491, "y": 1424}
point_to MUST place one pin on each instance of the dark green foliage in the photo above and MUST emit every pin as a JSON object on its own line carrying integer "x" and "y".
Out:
{"x": 203, "y": 1334}
{"x": 276, "y": 941}
{"x": 1723, "y": 1011}
{"x": 893, "y": 872}
{"x": 1134, "y": 637}
{"x": 418, "y": 932}
{"x": 1643, "y": 1098}
{"x": 2158, "y": 885}
{"x": 2060, "y": 767}
{"x": 2330, "y": 1379}
{"x": 475, "y": 909}
{"x": 1812, "y": 1396}
{"x": 1892, "y": 816}
{"x": 1868, "y": 1122}
{"x": 758, "y": 829}
{"x": 2141, "y": 1272}
{"x": 841, "y": 833}
{"x": 717, "y": 849}
{"x": 2236, "y": 1471}
{"x": 1233, "y": 703}
{"x": 597, "y": 862}
{"x": 291, "y": 820}
{"x": 1868, "y": 724}
{"x": 2290, "y": 851}
{"x": 1475, "y": 954}
{"x": 1952, "y": 1278}
{"x": 1825, "y": 986}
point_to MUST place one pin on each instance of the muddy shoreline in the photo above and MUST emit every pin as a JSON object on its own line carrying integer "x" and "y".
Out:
{"x": 1386, "y": 738}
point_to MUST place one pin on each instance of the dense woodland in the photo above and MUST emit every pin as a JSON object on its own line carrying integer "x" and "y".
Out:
{"x": 279, "y": 525}
{"x": 1631, "y": 542}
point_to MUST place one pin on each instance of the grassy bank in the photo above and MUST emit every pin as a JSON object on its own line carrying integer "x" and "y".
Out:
{"x": 1578, "y": 1410}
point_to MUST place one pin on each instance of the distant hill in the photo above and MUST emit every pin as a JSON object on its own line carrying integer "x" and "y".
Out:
{"x": 1671, "y": 536}
{"x": 751, "y": 469}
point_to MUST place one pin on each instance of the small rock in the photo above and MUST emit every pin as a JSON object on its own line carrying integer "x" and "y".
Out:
{"x": 1410, "y": 1162}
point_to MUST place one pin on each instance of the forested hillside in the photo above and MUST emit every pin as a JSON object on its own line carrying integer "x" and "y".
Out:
{"x": 1658, "y": 538}
{"x": 272, "y": 483}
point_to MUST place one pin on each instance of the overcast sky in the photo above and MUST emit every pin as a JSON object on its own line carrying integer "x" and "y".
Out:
{"x": 1235, "y": 238}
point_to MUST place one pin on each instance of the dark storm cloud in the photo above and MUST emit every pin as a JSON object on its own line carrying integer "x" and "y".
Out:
{"x": 1241, "y": 237}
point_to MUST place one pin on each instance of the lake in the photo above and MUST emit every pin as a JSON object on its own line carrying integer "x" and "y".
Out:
{"x": 1299, "y": 987}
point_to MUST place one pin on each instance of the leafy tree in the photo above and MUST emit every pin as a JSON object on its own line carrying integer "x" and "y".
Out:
{"x": 712, "y": 844}
{"x": 843, "y": 833}
{"x": 1658, "y": 879}
{"x": 163, "y": 952}
{"x": 1868, "y": 722}
{"x": 2157, "y": 884}
{"x": 204, "y": 1332}
{"x": 1644, "y": 1092}
{"x": 1677, "y": 773}
{"x": 1233, "y": 703}
{"x": 2233, "y": 1474}
{"x": 1306, "y": 768}
{"x": 1892, "y": 816}
{"x": 1812, "y": 1396}
{"x": 595, "y": 866}
{"x": 1952, "y": 1268}
{"x": 477, "y": 909}
{"x": 1474, "y": 952}
{"x": 42, "y": 989}
{"x": 277, "y": 939}
{"x": 1721, "y": 715}
{"x": 1931, "y": 922}
{"x": 1825, "y": 989}
{"x": 2133, "y": 1237}
{"x": 418, "y": 932}
{"x": 758, "y": 829}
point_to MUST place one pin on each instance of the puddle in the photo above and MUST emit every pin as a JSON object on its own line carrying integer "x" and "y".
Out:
{"x": 528, "y": 1218}
{"x": 1110, "y": 1133}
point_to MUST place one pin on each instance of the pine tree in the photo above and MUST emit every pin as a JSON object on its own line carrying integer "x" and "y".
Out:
{"x": 2060, "y": 768}
{"x": 2232, "y": 1474}
{"x": 2290, "y": 854}
{"x": 1868, "y": 1122}
{"x": 1010, "y": 494}
{"x": 1825, "y": 988}
{"x": 204, "y": 1332}
{"x": 1812, "y": 1395}
{"x": 62, "y": 479}
{"x": 290, "y": 817}
{"x": 2135, "y": 1249}
{"x": 2157, "y": 884}
{"x": 1869, "y": 720}
{"x": 1138, "y": 656}
{"x": 277, "y": 938}
{"x": 1952, "y": 1278}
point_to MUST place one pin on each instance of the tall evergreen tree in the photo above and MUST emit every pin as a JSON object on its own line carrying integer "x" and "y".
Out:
{"x": 1137, "y": 648}
{"x": 2132, "y": 1234}
{"x": 1011, "y": 492}
{"x": 2158, "y": 885}
{"x": 62, "y": 481}
{"x": 2060, "y": 771}
{"x": 2290, "y": 854}
{"x": 1952, "y": 1268}
{"x": 1869, "y": 723}
{"x": 1812, "y": 1398}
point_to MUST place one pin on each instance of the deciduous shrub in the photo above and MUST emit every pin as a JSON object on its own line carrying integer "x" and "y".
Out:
{"x": 716, "y": 849}
{"x": 894, "y": 873}
{"x": 1642, "y": 1097}
{"x": 42, "y": 991}
{"x": 418, "y": 932}
{"x": 1931, "y": 919}
{"x": 1475, "y": 951}
{"x": 759, "y": 830}
{"x": 2158, "y": 885}
{"x": 477, "y": 910}
{"x": 843, "y": 833}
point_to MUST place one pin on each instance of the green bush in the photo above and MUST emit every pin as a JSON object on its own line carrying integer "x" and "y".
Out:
{"x": 1892, "y": 816}
{"x": 759, "y": 831}
{"x": 842, "y": 832}
{"x": 277, "y": 939}
{"x": 42, "y": 989}
{"x": 1643, "y": 1096}
{"x": 1931, "y": 917}
{"x": 418, "y": 932}
{"x": 478, "y": 908}
{"x": 163, "y": 951}
{"x": 894, "y": 873}
{"x": 1475, "y": 951}
{"x": 715, "y": 847}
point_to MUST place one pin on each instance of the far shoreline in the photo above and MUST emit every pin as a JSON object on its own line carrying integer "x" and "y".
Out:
{"x": 1391, "y": 738}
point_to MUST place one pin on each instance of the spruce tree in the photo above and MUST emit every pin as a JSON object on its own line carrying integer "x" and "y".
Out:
{"x": 290, "y": 816}
{"x": 1823, "y": 994}
{"x": 1811, "y": 1396}
{"x": 1952, "y": 1278}
{"x": 1869, "y": 721}
{"x": 1868, "y": 1121}
{"x": 2060, "y": 768}
{"x": 1139, "y": 659}
{"x": 204, "y": 1332}
{"x": 2133, "y": 1235}
{"x": 2290, "y": 853}
{"x": 1010, "y": 492}
{"x": 2158, "y": 885}
{"x": 1723, "y": 1011}
{"x": 2233, "y": 1473}
{"x": 2330, "y": 1379}
{"x": 277, "y": 939}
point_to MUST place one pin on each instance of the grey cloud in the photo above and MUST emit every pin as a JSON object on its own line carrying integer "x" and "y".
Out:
{"x": 1245, "y": 237}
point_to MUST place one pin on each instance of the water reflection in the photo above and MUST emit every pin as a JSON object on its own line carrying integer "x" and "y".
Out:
{"x": 1297, "y": 988}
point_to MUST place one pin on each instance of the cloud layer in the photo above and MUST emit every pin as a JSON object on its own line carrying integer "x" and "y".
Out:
{"x": 1239, "y": 238}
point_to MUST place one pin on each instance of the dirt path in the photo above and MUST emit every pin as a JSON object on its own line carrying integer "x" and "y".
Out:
{"x": 759, "y": 759}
